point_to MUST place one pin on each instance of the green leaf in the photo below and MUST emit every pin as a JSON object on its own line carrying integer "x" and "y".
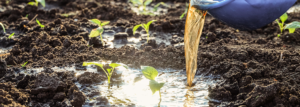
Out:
{"x": 155, "y": 86}
{"x": 108, "y": 70}
{"x": 3, "y": 27}
{"x": 100, "y": 30}
{"x": 31, "y": 3}
{"x": 140, "y": 2}
{"x": 38, "y": 22}
{"x": 292, "y": 30}
{"x": 182, "y": 15}
{"x": 24, "y": 64}
{"x": 135, "y": 28}
{"x": 284, "y": 17}
{"x": 96, "y": 21}
{"x": 147, "y": 2}
{"x": 148, "y": 24}
{"x": 26, "y": 16}
{"x": 94, "y": 33}
{"x": 278, "y": 35}
{"x": 114, "y": 65}
{"x": 158, "y": 4}
{"x": 149, "y": 72}
{"x": 11, "y": 35}
{"x": 104, "y": 23}
{"x": 92, "y": 63}
{"x": 42, "y": 2}
{"x": 294, "y": 24}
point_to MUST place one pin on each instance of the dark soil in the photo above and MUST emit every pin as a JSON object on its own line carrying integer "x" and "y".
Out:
{"x": 259, "y": 68}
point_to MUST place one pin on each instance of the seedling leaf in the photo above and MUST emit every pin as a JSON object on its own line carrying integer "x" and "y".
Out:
{"x": 284, "y": 17}
{"x": 156, "y": 6}
{"x": 3, "y": 27}
{"x": 155, "y": 86}
{"x": 94, "y": 33}
{"x": 114, "y": 65}
{"x": 96, "y": 21}
{"x": 24, "y": 64}
{"x": 148, "y": 24}
{"x": 149, "y": 72}
{"x": 294, "y": 24}
{"x": 147, "y": 2}
{"x": 11, "y": 35}
{"x": 292, "y": 30}
{"x": 31, "y": 3}
{"x": 104, "y": 23}
{"x": 92, "y": 63}
{"x": 108, "y": 70}
{"x": 42, "y": 2}
{"x": 182, "y": 15}
{"x": 136, "y": 27}
{"x": 38, "y": 22}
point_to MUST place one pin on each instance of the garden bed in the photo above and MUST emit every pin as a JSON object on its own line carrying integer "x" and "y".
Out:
{"x": 254, "y": 68}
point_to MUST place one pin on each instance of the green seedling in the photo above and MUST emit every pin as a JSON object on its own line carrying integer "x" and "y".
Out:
{"x": 144, "y": 3}
{"x": 151, "y": 73}
{"x": 23, "y": 65}
{"x": 36, "y": 3}
{"x": 290, "y": 26}
{"x": 3, "y": 27}
{"x": 11, "y": 35}
{"x": 145, "y": 26}
{"x": 38, "y": 22}
{"x": 156, "y": 6}
{"x": 26, "y": 15}
{"x": 186, "y": 10}
{"x": 108, "y": 72}
{"x": 98, "y": 31}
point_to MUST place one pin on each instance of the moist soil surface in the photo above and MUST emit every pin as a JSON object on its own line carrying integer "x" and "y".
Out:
{"x": 259, "y": 68}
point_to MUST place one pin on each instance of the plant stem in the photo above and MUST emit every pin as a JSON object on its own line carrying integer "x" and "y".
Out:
{"x": 159, "y": 98}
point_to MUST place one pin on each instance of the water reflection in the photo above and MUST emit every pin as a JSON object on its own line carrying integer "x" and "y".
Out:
{"x": 132, "y": 89}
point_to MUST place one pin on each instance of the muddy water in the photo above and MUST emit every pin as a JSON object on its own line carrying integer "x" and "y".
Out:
{"x": 132, "y": 88}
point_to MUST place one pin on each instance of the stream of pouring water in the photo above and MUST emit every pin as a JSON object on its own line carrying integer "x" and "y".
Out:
{"x": 193, "y": 30}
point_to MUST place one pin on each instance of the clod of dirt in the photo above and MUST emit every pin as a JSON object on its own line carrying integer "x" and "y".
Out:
{"x": 90, "y": 78}
{"x": 2, "y": 68}
{"x": 10, "y": 96}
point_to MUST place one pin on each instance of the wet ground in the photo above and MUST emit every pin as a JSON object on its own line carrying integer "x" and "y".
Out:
{"x": 235, "y": 68}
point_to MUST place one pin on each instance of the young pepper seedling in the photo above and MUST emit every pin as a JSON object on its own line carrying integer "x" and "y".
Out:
{"x": 151, "y": 73}
{"x": 36, "y": 3}
{"x": 98, "y": 31}
{"x": 145, "y": 26}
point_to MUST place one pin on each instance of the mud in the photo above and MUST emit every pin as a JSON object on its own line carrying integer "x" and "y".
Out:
{"x": 260, "y": 68}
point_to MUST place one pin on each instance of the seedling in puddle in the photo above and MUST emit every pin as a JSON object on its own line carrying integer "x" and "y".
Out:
{"x": 290, "y": 26}
{"x": 151, "y": 73}
{"x": 11, "y": 35}
{"x": 98, "y": 31}
{"x": 3, "y": 27}
{"x": 23, "y": 65}
{"x": 38, "y": 22}
{"x": 186, "y": 10}
{"x": 145, "y": 26}
{"x": 108, "y": 72}
{"x": 36, "y": 3}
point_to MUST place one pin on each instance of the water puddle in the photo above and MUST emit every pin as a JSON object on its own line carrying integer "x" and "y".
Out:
{"x": 133, "y": 89}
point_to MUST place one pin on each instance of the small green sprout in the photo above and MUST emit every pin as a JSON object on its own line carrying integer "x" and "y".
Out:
{"x": 23, "y": 65}
{"x": 11, "y": 35}
{"x": 186, "y": 10}
{"x": 98, "y": 31}
{"x": 38, "y": 22}
{"x": 290, "y": 26}
{"x": 156, "y": 6}
{"x": 151, "y": 73}
{"x": 108, "y": 72}
{"x": 36, "y": 3}
{"x": 144, "y": 3}
{"x": 283, "y": 18}
{"x": 26, "y": 15}
{"x": 3, "y": 27}
{"x": 145, "y": 26}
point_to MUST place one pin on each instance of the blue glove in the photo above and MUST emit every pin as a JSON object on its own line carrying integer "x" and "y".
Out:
{"x": 245, "y": 14}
